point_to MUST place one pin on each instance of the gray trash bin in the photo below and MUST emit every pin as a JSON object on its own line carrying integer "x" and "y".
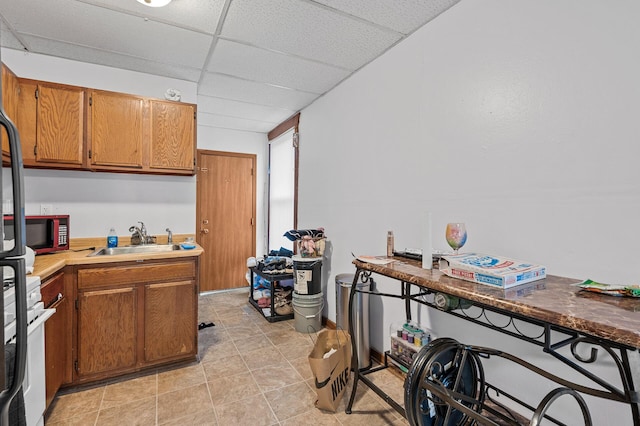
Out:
{"x": 360, "y": 312}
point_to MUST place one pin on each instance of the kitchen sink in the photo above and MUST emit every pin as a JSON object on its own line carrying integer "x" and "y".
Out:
{"x": 146, "y": 248}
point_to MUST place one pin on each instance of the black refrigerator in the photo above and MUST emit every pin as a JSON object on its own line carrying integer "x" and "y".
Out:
{"x": 13, "y": 358}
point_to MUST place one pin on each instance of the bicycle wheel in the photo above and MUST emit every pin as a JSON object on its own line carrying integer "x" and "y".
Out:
{"x": 447, "y": 368}
{"x": 412, "y": 381}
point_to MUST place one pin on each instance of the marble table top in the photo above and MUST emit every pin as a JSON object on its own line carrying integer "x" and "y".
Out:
{"x": 553, "y": 300}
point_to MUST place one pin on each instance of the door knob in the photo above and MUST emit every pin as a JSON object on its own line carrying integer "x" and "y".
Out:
{"x": 204, "y": 231}
{"x": 205, "y": 221}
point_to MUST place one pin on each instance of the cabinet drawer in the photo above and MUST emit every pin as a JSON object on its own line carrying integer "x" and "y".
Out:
{"x": 51, "y": 288}
{"x": 115, "y": 275}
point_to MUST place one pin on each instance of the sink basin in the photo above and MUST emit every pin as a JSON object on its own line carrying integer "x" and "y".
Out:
{"x": 147, "y": 248}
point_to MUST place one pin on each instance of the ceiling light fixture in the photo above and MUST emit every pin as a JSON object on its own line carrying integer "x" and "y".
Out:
{"x": 155, "y": 3}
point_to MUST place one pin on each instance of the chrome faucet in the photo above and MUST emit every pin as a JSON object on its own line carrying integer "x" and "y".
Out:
{"x": 139, "y": 234}
{"x": 170, "y": 236}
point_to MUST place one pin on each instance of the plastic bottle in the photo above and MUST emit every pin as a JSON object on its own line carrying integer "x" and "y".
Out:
{"x": 112, "y": 238}
{"x": 389, "y": 243}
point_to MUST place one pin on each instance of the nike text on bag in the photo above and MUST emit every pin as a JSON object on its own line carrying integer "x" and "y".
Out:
{"x": 332, "y": 373}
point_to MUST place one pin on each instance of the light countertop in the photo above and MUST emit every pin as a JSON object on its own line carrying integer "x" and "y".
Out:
{"x": 47, "y": 264}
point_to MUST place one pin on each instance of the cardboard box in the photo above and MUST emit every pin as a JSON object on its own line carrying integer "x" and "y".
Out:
{"x": 496, "y": 271}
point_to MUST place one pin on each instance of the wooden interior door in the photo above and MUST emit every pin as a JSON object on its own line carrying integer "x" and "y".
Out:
{"x": 226, "y": 211}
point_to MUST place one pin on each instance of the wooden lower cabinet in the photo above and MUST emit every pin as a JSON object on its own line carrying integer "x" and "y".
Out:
{"x": 106, "y": 331}
{"x": 169, "y": 326}
{"x": 135, "y": 315}
{"x": 57, "y": 333}
{"x": 55, "y": 351}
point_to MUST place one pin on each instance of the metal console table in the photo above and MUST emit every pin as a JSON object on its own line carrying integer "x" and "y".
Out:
{"x": 446, "y": 384}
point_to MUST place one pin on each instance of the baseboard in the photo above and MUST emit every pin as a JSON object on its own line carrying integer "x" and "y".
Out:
{"x": 328, "y": 323}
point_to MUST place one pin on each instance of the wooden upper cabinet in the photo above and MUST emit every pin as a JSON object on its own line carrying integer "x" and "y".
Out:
{"x": 116, "y": 130}
{"x": 172, "y": 145}
{"x": 51, "y": 121}
{"x": 60, "y": 124}
{"x": 10, "y": 90}
{"x": 70, "y": 127}
{"x": 26, "y": 122}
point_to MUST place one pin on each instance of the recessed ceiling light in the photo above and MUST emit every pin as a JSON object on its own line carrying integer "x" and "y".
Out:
{"x": 155, "y": 3}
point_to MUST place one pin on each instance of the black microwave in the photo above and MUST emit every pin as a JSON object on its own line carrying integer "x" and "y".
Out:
{"x": 45, "y": 234}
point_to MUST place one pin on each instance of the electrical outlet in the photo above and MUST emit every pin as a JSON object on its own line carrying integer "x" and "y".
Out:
{"x": 46, "y": 209}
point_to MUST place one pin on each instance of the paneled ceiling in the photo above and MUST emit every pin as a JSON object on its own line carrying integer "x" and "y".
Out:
{"x": 256, "y": 62}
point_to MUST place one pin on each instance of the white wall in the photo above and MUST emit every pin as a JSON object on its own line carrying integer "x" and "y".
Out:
{"x": 519, "y": 118}
{"x": 98, "y": 201}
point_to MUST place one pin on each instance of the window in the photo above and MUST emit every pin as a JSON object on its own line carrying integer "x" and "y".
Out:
{"x": 283, "y": 183}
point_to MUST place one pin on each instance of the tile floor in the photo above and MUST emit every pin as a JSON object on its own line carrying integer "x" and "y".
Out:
{"x": 249, "y": 372}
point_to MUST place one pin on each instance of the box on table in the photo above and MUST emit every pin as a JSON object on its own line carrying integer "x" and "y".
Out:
{"x": 497, "y": 271}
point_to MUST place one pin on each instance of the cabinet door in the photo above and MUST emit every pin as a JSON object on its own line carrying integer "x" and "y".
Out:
{"x": 60, "y": 124}
{"x": 116, "y": 130}
{"x": 106, "y": 331}
{"x": 27, "y": 108}
{"x": 57, "y": 335}
{"x": 56, "y": 330}
{"x": 50, "y": 120}
{"x": 172, "y": 131}
{"x": 170, "y": 320}
{"x": 9, "y": 102}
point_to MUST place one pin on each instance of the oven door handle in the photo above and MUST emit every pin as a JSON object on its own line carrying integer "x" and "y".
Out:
{"x": 43, "y": 316}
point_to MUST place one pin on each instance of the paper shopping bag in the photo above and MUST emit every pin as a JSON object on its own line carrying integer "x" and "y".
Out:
{"x": 330, "y": 362}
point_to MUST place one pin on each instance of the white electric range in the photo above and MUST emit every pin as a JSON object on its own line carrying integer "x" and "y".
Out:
{"x": 34, "y": 384}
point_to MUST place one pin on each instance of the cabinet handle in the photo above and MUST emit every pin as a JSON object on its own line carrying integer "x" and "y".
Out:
{"x": 58, "y": 301}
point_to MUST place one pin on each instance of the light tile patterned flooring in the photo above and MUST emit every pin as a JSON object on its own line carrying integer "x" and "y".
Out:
{"x": 249, "y": 372}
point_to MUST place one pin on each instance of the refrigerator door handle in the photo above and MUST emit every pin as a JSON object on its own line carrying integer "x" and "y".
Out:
{"x": 17, "y": 179}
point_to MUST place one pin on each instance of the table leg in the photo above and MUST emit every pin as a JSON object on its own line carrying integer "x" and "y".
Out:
{"x": 406, "y": 292}
{"x": 354, "y": 345}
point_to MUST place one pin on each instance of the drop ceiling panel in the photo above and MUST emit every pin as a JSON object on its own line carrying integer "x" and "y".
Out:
{"x": 258, "y": 93}
{"x": 242, "y": 109}
{"x": 266, "y": 66}
{"x": 106, "y": 30}
{"x": 271, "y": 58}
{"x": 200, "y": 15}
{"x": 94, "y": 56}
{"x": 214, "y": 120}
{"x": 404, "y": 16}
{"x": 306, "y": 30}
